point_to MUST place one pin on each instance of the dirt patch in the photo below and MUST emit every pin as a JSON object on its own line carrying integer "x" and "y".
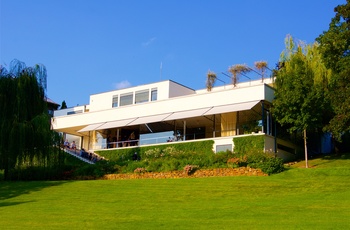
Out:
{"x": 242, "y": 171}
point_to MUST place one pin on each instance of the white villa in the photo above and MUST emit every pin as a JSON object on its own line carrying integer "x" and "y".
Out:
{"x": 167, "y": 111}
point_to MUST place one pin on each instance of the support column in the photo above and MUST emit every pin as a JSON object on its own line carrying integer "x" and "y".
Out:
{"x": 237, "y": 123}
{"x": 268, "y": 123}
{"x": 262, "y": 117}
{"x": 214, "y": 126}
{"x": 118, "y": 139}
{"x": 184, "y": 133}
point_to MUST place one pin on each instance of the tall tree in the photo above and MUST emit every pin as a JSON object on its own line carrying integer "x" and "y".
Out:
{"x": 25, "y": 135}
{"x": 300, "y": 101}
{"x": 335, "y": 50}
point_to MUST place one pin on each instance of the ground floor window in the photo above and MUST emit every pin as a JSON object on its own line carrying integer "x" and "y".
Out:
{"x": 223, "y": 148}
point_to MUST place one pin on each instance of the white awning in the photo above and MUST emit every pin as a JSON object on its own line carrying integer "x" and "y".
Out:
{"x": 90, "y": 127}
{"x": 116, "y": 124}
{"x": 231, "y": 108}
{"x": 171, "y": 116}
{"x": 187, "y": 114}
{"x": 149, "y": 119}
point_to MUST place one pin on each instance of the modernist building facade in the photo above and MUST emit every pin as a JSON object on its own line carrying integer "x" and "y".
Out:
{"x": 167, "y": 111}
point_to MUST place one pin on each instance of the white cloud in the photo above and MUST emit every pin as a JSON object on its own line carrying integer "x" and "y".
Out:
{"x": 122, "y": 84}
{"x": 147, "y": 43}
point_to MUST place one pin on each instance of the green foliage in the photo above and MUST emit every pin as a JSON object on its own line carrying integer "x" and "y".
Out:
{"x": 335, "y": 50}
{"x": 57, "y": 166}
{"x": 300, "y": 100}
{"x": 167, "y": 157}
{"x": 164, "y": 158}
{"x": 25, "y": 134}
{"x": 91, "y": 171}
{"x": 265, "y": 161}
{"x": 249, "y": 143}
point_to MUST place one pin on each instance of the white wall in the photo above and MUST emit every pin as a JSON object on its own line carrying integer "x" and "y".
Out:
{"x": 165, "y": 89}
{"x": 63, "y": 112}
{"x": 176, "y": 90}
{"x": 190, "y": 102}
{"x": 223, "y": 141}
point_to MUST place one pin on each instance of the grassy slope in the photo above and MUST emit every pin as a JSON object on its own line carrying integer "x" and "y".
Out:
{"x": 299, "y": 198}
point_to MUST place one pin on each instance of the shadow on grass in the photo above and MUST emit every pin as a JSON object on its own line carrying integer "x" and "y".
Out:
{"x": 11, "y": 189}
{"x": 5, "y": 204}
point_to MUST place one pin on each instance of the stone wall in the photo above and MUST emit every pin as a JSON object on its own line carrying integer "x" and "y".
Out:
{"x": 242, "y": 171}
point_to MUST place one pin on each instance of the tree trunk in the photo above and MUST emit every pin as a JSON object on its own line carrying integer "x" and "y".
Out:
{"x": 305, "y": 149}
{"x": 6, "y": 169}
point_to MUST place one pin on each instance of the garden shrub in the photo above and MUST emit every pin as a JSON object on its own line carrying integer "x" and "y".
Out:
{"x": 95, "y": 170}
{"x": 171, "y": 157}
{"x": 265, "y": 161}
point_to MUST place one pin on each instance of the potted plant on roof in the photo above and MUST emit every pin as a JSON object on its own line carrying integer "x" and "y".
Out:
{"x": 236, "y": 71}
{"x": 211, "y": 78}
{"x": 261, "y": 66}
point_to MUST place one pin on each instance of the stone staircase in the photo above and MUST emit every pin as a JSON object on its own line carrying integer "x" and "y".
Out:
{"x": 76, "y": 153}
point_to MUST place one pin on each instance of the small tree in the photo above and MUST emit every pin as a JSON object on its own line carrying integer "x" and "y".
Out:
{"x": 236, "y": 71}
{"x": 300, "y": 97}
{"x": 63, "y": 105}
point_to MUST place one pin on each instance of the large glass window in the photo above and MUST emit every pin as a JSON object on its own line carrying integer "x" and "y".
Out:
{"x": 141, "y": 96}
{"x": 115, "y": 101}
{"x": 126, "y": 99}
{"x": 154, "y": 94}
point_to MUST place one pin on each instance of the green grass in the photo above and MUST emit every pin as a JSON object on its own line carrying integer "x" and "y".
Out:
{"x": 299, "y": 198}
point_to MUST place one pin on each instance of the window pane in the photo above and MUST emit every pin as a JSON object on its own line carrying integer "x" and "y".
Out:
{"x": 115, "y": 101}
{"x": 126, "y": 99}
{"x": 154, "y": 94}
{"x": 141, "y": 96}
{"x": 223, "y": 148}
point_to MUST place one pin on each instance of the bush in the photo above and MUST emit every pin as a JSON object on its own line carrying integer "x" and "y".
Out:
{"x": 95, "y": 170}
{"x": 265, "y": 161}
{"x": 272, "y": 165}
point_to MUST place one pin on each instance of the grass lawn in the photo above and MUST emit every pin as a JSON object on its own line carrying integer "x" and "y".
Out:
{"x": 299, "y": 198}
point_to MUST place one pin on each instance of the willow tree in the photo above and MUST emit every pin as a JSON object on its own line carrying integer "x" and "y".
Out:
{"x": 25, "y": 135}
{"x": 301, "y": 85}
{"x": 236, "y": 71}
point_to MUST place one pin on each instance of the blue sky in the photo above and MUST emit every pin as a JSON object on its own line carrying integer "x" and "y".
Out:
{"x": 91, "y": 46}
